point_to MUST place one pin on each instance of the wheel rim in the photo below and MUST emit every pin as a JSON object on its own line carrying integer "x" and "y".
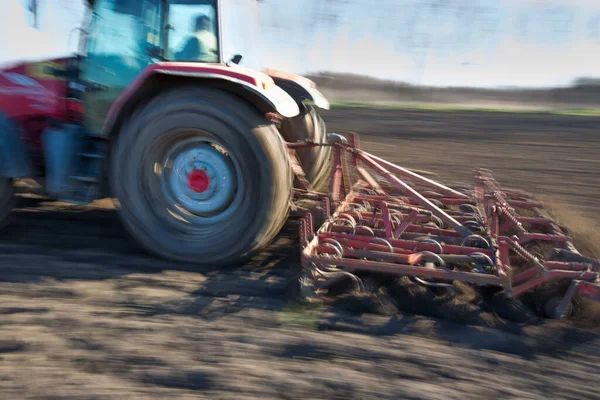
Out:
{"x": 195, "y": 179}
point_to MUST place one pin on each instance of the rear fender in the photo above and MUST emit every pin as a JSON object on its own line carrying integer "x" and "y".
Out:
{"x": 266, "y": 99}
{"x": 299, "y": 87}
{"x": 15, "y": 161}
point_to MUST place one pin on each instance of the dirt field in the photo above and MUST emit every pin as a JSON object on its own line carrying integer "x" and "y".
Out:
{"x": 87, "y": 315}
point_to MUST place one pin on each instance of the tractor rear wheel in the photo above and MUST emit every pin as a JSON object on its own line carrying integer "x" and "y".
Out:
{"x": 316, "y": 161}
{"x": 201, "y": 177}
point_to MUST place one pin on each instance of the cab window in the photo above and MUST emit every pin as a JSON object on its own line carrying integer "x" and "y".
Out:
{"x": 192, "y": 32}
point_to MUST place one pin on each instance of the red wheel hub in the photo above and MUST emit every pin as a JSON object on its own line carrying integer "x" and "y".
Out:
{"x": 198, "y": 180}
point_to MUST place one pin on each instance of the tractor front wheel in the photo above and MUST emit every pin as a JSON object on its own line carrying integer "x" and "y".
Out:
{"x": 201, "y": 177}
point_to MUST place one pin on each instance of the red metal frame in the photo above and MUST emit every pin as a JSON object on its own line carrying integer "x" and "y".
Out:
{"x": 418, "y": 227}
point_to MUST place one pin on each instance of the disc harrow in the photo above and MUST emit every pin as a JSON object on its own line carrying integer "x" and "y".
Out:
{"x": 382, "y": 218}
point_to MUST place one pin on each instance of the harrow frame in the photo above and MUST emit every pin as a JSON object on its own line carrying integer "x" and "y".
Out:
{"x": 381, "y": 217}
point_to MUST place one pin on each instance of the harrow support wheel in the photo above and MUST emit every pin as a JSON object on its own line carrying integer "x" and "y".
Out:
{"x": 201, "y": 177}
{"x": 551, "y": 308}
{"x": 316, "y": 161}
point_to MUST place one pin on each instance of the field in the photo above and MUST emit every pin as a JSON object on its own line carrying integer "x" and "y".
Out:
{"x": 87, "y": 315}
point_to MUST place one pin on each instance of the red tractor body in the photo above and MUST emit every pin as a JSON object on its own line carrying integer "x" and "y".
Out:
{"x": 31, "y": 97}
{"x": 28, "y": 91}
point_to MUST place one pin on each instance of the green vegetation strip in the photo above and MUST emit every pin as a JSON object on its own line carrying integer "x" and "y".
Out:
{"x": 450, "y": 107}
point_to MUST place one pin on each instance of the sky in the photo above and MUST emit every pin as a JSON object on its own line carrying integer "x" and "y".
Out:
{"x": 481, "y": 43}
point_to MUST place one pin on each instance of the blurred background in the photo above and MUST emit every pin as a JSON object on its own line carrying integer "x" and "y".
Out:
{"x": 505, "y": 53}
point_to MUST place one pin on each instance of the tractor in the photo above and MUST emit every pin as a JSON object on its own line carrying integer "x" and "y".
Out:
{"x": 191, "y": 146}
{"x": 207, "y": 159}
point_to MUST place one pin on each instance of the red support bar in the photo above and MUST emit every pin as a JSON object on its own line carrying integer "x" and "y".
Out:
{"x": 387, "y": 223}
{"x": 570, "y": 266}
{"x": 417, "y": 219}
{"x": 506, "y": 226}
{"x": 447, "y": 201}
{"x": 411, "y": 270}
{"x": 503, "y": 269}
{"x": 511, "y": 216}
{"x": 354, "y": 143}
{"x": 545, "y": 237}
{"x": 504, "y": 252}
{"x": 414, "y": 176}
{"x": 362, "y": 197}
{"x": 405, "y": 223}
{"x": 411, "y": 259}
{"x": 301, "y": 145}
{"x": 550, "y": 265}
{"x": 373, "y": 246}
{"x": 589, "y": 290}
{"x": 495, "y": 229}
{"x": 409, "y": 229}
{"x": 337, "y": 175}
{"x": 528, "y": 285}
{"x": 412, "y": 244}
{"x": 370, "y": 180}
{"x": 424, "y": 202}
{"x": 551, "y": 275}
{"x": 525, "y": 275}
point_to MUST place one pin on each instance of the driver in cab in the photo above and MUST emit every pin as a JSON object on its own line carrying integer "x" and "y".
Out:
{"x": 202, "y": 46}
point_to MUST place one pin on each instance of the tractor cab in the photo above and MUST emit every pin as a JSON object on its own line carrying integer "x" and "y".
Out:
{"x": 151, "y": 113}
{"x": 146, "y": 30}
{"x": 126, "y": 36}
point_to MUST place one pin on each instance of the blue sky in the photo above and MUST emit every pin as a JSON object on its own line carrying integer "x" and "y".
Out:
{"x": 454, "y": 43}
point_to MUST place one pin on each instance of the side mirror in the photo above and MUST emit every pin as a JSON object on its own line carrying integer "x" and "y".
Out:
{"x": 235, "y": 59}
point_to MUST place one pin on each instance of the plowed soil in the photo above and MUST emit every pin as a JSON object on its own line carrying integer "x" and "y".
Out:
{"x": 85, "y": 314}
